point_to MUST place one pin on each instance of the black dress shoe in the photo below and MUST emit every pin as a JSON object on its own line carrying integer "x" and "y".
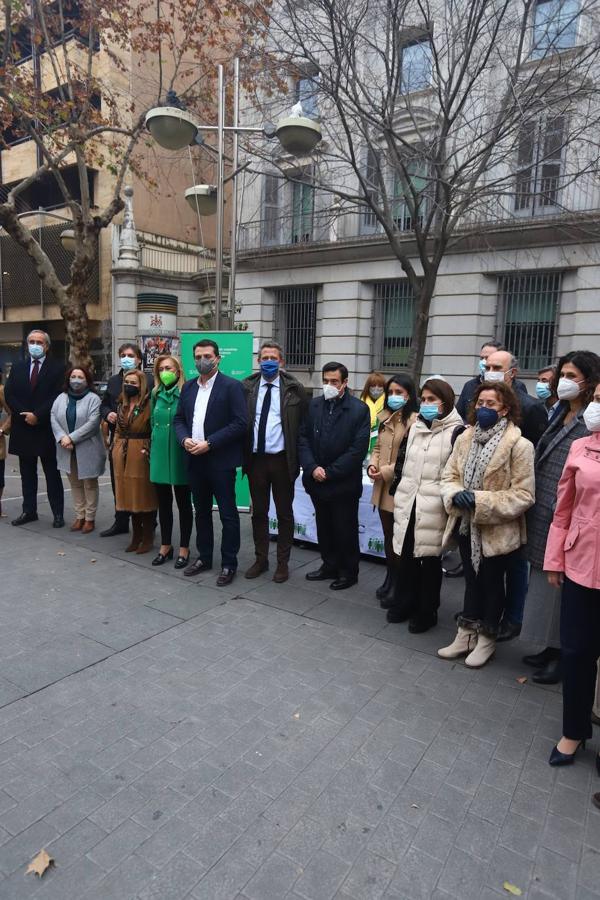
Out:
{"x": 397, "y": 614}
{"x": 59, "y": 522}
{"x": 161, "y": 558}
{"x": 508, "y": 631}
{"x": 320, "y": 574}
{"x": 596, "y": 800}
{"x": 24, "y": 518}
{"x": 385, "y": 589}
{"x": 197, "y": 567}
{"x": 340, "y": 584}
{"x": 563, "y": 759}
{"x": 421, "y": 624}
{"x": 550, "y": 674}
{"x": 115, "y": 528}
{"x": 226, "y": 577}
{"x": 181, "y": 562}
{"x": 539, "y": 660}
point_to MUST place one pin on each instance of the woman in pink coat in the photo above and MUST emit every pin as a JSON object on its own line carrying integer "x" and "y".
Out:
{"x": 573, "y": 559}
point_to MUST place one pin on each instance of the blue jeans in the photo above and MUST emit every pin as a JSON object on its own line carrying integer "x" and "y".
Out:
{"x": 517, "y": 583}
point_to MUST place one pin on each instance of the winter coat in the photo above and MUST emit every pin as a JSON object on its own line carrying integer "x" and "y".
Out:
{"x": 375, "y": 407}
{"x": 574, "y": 538}
{"x": 4, "y": 423}
{"x": 114, "y": 387}
{"x": 550, "y": 457}
{"x": 134, "y": 492}
{"x": 167, "y": 456}
{"x": 294, "y": 404}
{"x": 508, "y": 492}
{"x": 392, "y": 430}
{"x": 427, "y": 451}
{"x": 33, "y": 440}
{"x": 334, "y": 435}
{"x": 87, "y": 438}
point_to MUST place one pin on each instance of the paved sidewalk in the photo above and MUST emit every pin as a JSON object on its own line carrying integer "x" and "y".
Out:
{"x": 166, "y": 739}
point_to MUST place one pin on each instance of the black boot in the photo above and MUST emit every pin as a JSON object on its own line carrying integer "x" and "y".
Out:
{"x": 550, "y": 674}
{"x": 119, "y": 526}
{"x": 539, "y": 660}
{"x": 384, "y": 589}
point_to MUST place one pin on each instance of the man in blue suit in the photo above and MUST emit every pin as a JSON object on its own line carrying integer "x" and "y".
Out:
{"x": 211, "y": 423}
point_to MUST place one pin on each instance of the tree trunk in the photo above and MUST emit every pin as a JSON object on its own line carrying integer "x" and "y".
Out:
{"x": 419, "y": 335}
{"x": 75, "y": 317}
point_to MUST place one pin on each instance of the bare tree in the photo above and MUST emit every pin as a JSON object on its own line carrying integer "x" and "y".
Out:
{"x": 76, "y": 78}
{"x": 441, "y": 118}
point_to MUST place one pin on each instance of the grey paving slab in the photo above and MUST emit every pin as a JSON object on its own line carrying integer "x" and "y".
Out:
{"x": 267, "y": 741}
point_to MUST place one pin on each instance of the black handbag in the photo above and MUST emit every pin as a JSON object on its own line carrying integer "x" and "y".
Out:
{"x": 399, "y": 465}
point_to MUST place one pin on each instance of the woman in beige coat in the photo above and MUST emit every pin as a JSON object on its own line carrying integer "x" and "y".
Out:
{"x": 398, "y": 414}
{"x": 487, "y": 487}
{"x": 419, "y": 515}
{"x": 4, "y": 429}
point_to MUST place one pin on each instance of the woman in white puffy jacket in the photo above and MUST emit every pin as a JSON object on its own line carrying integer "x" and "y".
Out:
{"x": 419, "y": 514}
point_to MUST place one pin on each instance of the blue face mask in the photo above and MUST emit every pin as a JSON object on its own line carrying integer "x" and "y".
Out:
{"x": 128, "y": 363}
{"x": 486, "y": 418}
{"x": 543, "y": 390}
{"x": 269, "y": 368}
{"x": 482, "y": 367}
{"x": 429, "y": 411}
{"x": 395, "y": 401}
{"x": 36, "y": 351}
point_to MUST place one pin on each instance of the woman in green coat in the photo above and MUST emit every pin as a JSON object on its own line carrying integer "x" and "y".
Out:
{"x": 167, "y": 465}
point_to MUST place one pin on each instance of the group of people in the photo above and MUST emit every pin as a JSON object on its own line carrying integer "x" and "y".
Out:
{"x": 507, "y": 478}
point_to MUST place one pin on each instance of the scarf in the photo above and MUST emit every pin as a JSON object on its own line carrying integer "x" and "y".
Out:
{"x": 483, "y": 447}
{"x": 72, "y": 408}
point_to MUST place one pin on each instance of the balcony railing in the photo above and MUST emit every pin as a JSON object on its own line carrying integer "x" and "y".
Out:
{"x": 560, "y": 199}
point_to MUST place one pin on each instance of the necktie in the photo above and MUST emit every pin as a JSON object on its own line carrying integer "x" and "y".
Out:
{"x": 262, "y": 422}
{"x": 33, "y": 378}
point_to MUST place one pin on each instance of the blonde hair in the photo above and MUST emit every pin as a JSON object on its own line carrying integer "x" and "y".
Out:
{"x": 161, "y": 359}
{"x": 142, "y": 384}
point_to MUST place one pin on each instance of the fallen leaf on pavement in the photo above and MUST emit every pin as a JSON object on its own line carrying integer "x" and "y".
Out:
{"x": 93, "y": 560}
{"x": 414, "y": 806}
{"x": 40, "y": 863}
{"x": 522, "y": 679}
{"x": 296, "y": 715}
{"x": 61, "y": 553}
{"x": 512, "y": 889}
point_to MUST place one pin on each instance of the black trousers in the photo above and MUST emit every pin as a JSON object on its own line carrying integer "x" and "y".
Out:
{"x": 2, "y": 474}
{"x": 580, "y": 649}
{"x": 337, "y": 533}
{"x": 485, "y": 596}
{"x": 121, "y": 517}
{"x": 221, "y": 485}
{"x": 418, "y": 579}
{"x": 387, "y": 526}
{"x": 29, "y": 483}
{"x": 183, "y": 498}
{"x": 269, "y": 472}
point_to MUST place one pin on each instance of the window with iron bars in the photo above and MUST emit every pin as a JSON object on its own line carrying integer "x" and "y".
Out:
{"x": 393, "y": 323}
{"x": 540, "y": 164}
{"x": 296, "y": 324}
{"x": 528, "y": 305}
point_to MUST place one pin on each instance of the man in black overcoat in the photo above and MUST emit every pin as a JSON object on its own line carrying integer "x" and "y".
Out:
{"x": 32, "y": 387}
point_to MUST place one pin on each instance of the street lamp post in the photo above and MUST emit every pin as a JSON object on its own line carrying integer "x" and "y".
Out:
{"x": 173, "y": 128}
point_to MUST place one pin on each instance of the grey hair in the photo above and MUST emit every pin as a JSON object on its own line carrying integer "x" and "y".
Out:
{"x": 39, "y": 331}
{"x": 273, "y": 345}
{"x": 514, "y": 362}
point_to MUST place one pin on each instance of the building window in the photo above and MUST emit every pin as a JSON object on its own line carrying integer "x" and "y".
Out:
{"x": 528, "y": 308}
{"x": 296, "y": 324}
{"x": 540, "y": 162}
{"x": 393, "y": 321}
{"x": 401, "y": 209}
{"x": 270, "y": 217}
{"x": 416, "y": 66}
{"x": 554, "y": 26}
{"x": 303, "y": 207}
{"x": 306, "y": 94}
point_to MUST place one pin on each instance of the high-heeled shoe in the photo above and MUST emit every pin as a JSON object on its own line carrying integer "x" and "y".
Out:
{"x": 181, "y": 562}
{"x": 564, "y": 759}
{"x": 161, "y": 558}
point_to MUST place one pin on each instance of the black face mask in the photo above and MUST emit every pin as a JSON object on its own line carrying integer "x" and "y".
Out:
{"x": 131, "y": 390}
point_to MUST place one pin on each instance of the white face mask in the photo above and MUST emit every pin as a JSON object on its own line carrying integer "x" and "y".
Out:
{"x": 591, "y": 416}
{"x": 568, "y": 388}
{"x": 330, "y": 392}
{"x": 494, "y": 376}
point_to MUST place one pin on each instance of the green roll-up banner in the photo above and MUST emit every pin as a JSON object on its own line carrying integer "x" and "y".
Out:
{"x": 235, "y": 348}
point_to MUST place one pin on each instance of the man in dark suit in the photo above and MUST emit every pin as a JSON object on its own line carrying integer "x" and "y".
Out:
{"x": 210, "y": 424}
{"x": 277, "y": 404}
{"x": 334, "y": 440}
{"x": 470, "y": 386}
{"x": 31, "y": 389}
{"x": 130, "y": 357}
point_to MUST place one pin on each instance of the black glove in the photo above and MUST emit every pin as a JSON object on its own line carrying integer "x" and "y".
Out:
{"x": 464, "y": 500}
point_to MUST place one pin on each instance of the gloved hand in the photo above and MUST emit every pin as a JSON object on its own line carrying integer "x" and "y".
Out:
{"x": 464, "y": 500}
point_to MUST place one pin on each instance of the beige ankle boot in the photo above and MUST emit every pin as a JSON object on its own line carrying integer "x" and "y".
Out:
{"x": 485, "y": 649}
{"x": 463, "y": 643}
